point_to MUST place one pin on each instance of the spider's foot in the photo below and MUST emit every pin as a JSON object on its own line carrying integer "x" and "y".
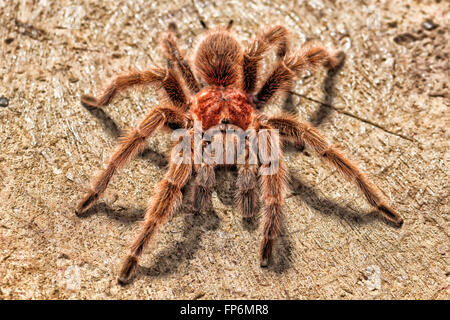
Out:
{"x": 398, "y": 222}
{"x": 128, "y": 270}
{"x": 86, "y": 203}
{"x": 336, "y": 60}
{"x": 89, "y": 101}
{"x": 340, "y": 57}
{"x": 391, "y": 215}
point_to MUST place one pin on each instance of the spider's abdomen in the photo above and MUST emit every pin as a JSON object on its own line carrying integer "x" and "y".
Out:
{"x": 218, "y": 59}
{"x": 215, "y": 105}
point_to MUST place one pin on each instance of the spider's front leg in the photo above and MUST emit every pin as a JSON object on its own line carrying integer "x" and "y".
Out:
{"x": 282, "y": 77}
{"x": 167, "y": 199}
{"x": 165, "y": 78}
{"x": 276, "y": 36}
{"x": 297, "y": 131}
{"x": 130, "y": 145}
{"x": 175, "y": 56}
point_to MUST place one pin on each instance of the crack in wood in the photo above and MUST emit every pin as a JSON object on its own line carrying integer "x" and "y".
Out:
{"x": 354, "y": 116}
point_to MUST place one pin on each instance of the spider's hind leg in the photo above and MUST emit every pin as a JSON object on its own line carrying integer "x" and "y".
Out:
{"x": 273, "y": 178}
{"x": 273, "y": 191}
{"x": 166, "y": 201}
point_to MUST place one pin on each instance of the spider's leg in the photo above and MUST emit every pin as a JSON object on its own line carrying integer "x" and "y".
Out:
{"x": 298, "y": 131}
{"x": 282, "y": 77}
{"x": 273, "y": 185}
{"x": 276, "y": 36}
{"x": 167, "y": 199}
{"x": 165, "y": 78}
{"x": 129, "y": 146}
{"x": 176, "y": 58}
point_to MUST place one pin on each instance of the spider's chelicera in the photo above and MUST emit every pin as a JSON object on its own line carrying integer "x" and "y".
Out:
{"x": 225, "y": 92}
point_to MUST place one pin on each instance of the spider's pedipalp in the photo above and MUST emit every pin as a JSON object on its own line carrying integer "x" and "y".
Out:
{"x": 303, "y": 132}
{"x": 129, "y": 146}
{"x": 247, "y": 183}
{"x": 203, "y": 184}
{"x": 246, "y": 192}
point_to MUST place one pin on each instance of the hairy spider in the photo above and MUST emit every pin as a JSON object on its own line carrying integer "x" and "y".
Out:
{"x": 224, "y": 87}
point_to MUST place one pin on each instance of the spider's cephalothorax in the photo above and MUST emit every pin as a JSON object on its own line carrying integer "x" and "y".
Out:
{"x": 215, "y": 105}
{"x": 225, "y": 87}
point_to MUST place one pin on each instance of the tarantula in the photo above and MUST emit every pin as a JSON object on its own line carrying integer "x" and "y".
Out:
{"x": 224, "y": 87}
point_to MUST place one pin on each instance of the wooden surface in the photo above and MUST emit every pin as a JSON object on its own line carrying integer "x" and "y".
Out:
{"x": 388, "y": 106}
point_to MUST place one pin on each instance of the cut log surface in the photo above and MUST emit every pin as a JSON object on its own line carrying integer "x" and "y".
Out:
{"x": 387, "y": 106}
